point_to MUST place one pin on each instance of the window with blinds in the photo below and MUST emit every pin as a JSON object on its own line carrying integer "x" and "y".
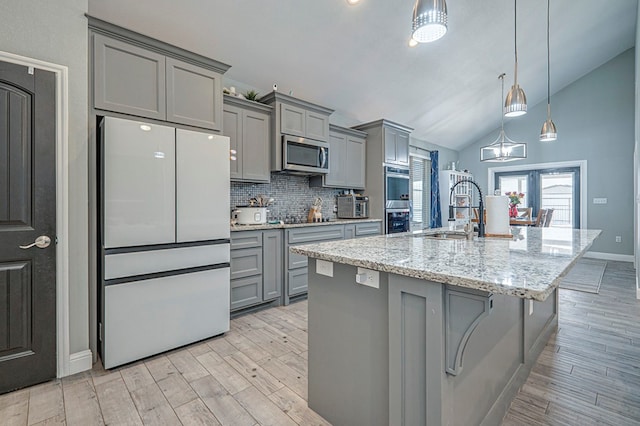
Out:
{"x": 420, "y": 174}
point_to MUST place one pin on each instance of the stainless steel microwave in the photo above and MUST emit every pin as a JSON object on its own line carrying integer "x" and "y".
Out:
{"x": 304, "y": 156}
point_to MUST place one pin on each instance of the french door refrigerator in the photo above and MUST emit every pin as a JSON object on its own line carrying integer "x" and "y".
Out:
{"x": 164, "y": 240}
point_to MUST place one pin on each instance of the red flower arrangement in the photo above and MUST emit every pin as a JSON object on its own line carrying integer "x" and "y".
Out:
{"x": 514, "y": 200}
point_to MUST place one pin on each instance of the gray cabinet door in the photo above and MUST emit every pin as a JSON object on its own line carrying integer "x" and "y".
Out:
{"x": 232, "y": 125}
{"x": 128, "y": 79}
{"x": 255, "y": 146}
{"x": 317, "y": 126}
{"x": 390, "y": 145}
{"x": 337, "y": 161}
{"x": 272, "y": 264}
{"x": 402, "y": 148}
{"x": 292, "y": 120}
{"x": 194, "y": 95}
{"x": 355, "y": 163}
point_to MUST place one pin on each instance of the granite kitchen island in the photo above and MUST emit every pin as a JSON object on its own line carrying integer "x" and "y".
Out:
{"x": 442, "y": 330}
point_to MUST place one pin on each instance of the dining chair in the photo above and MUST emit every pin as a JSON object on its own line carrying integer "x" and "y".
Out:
{"x": 540, "y": 219}
{"x": 524, "y": 212}
{"x": 548, "y": 217}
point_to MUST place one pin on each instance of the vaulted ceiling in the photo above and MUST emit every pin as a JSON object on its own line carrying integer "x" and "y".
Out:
{"x": 355, "y": 59}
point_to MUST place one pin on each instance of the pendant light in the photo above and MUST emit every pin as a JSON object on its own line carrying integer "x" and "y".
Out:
{"x": 429, "y": 20}
{"x": 516, "y": 102}
{"x": 503, "y": 149}
{"x": 548, "y": 132}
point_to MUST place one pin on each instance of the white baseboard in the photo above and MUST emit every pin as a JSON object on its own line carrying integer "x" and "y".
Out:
{"x": 80, "y": 361}
{"x": 609, "y": 256}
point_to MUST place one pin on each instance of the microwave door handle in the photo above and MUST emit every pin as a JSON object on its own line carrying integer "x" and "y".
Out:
{"x": 323, "y": 157}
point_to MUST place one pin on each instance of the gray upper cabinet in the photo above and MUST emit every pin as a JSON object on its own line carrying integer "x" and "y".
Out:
{"x": 292, "y": 120}
{"x": 347, "y": 159}
{"x": 248, "y": 125}
{"x": 396, "y": 146}
{"x": 194, "y": 95}
{"x": 137, "y": 75}
{"x": 128, "y": 79}
{"x": 295, "y": 117}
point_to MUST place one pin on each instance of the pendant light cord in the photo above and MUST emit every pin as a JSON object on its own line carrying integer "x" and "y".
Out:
{"x": 515, "y": 40}
{"x": 548, "y": 64}
{"x": 501, "y": 77}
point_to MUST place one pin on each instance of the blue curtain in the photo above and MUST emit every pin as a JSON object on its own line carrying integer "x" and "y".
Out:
{"x": 436, "y": 216}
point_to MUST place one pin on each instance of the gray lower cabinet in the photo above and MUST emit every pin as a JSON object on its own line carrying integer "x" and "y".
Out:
{"x": 347, "y": 159}
{"x": 297, "y": 266}
{"x": 137, "y": 75}
{"x": 248, "y": 126}
{"x": 256, "y": 267}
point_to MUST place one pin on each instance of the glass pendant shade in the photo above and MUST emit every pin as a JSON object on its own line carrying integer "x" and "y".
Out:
{"x": 503, "y": 149}
{"x": 429, "y": 20}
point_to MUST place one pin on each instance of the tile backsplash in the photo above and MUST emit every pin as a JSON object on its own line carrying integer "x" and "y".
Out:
{"x": 292, "y": 195}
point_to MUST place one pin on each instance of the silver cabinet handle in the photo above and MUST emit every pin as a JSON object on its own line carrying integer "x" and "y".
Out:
{"x": 41, "y": 242}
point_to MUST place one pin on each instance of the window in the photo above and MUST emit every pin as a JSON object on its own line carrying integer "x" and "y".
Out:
{"x": 420, "y": 173}
{"x": 557, "y": 189}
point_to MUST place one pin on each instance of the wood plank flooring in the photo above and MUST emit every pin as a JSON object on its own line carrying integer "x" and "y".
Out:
{"x": 589, "y": 373}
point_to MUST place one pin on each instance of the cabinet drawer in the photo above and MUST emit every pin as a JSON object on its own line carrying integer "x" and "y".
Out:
{"x": 298, "y": 281}
{"x": 349, "y": 231}
{"x": 246, "y": 262}
{"x": 295, "y": 260}
{"x": 315, "y": 234}
{"x": 368, "y": 229}
{"x": 246, "y": 239}
{"x": 246, "y": 291}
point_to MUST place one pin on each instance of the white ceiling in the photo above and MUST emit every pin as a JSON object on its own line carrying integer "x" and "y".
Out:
{"x": 355, "y": 59}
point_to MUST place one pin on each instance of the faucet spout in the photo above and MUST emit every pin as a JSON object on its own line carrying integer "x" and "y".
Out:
{"x": 480, "y": 205}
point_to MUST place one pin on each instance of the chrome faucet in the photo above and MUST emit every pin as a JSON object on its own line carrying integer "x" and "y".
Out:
{"x": 480, "y": 206}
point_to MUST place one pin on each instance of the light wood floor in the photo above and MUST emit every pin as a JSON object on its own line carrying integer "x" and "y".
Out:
{"x": 589, "y": 373}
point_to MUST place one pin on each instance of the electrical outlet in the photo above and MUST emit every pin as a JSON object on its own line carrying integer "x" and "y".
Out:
{"x": 618, "y": 239}
{"x": 368, "y": 277}
{"x": 599, "y": 201}
{"x": 324, "y": 268}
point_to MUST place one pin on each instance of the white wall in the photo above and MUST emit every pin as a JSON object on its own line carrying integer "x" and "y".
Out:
{"x": 595, "y": 120}
{"x": 56, "y": 31}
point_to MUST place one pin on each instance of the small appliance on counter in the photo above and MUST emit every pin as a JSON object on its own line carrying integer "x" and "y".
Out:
{"x": 246, "y": 215}
{"x": 353, "y": 206}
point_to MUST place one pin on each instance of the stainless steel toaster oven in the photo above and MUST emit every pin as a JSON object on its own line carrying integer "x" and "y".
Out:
{"x": 351, "y": 206}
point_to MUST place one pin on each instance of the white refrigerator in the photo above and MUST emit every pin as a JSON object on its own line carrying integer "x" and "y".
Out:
{"x": 164, "y": 238}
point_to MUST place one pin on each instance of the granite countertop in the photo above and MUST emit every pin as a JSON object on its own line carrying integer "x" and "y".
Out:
{"x": 299, "y": 225}
{"x": 529, "y": 266}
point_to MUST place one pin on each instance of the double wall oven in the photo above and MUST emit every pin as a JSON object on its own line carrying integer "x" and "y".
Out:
{"x": 397, "y": 202}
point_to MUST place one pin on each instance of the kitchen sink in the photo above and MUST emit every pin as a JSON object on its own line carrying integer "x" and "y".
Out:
{"x": 452, "y": 235}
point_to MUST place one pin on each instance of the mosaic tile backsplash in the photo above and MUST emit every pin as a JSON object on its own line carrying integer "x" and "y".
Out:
{"x": 292, "y": 195}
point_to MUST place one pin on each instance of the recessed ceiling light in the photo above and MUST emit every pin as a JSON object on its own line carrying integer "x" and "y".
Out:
{"x": 210, "y": 137}
{"x": 352, "y": 2}
{"x": 412, "y": 42}
{"x": 158, "y": 154}
{"x": 145, "y": 127}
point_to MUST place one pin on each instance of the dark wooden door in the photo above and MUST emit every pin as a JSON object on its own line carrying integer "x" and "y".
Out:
{"x": 27, "y": 211}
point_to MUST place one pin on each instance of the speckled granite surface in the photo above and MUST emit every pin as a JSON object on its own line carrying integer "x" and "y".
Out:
{"x": 528, "y": 266}
{"x": 299, "y": 225}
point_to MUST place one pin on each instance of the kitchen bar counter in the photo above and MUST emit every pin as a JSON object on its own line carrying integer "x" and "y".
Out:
{"x": 235, "y": 228}
{"x": 528, "y": 266}
{"x": 435, "y": 336}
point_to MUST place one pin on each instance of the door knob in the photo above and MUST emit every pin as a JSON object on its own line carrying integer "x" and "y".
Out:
{"x": 41, "y": 242}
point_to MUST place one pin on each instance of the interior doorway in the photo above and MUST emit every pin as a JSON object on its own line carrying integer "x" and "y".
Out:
{"x": 28, "y": 221}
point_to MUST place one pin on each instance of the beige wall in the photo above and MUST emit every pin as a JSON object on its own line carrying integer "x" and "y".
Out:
{"x": 56, "y": 31}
